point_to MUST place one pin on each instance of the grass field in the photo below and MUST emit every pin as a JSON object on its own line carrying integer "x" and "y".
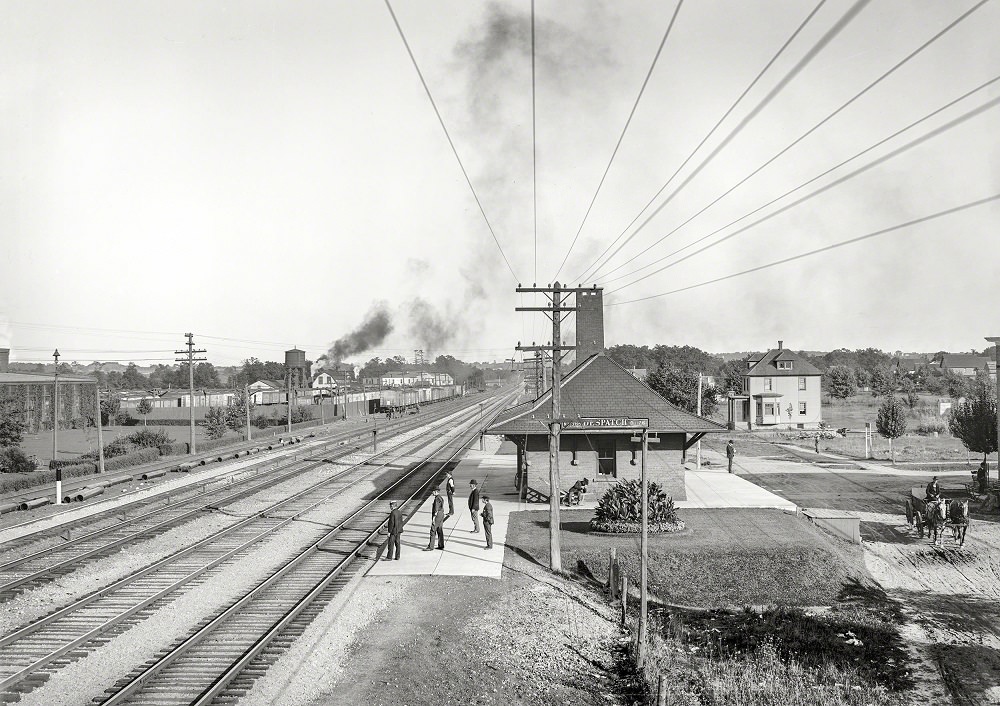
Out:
{"x": 733, "y": 557}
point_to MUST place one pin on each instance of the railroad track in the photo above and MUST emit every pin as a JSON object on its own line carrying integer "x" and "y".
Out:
{"x": 220, "y": 660}
{"x": 29, "y": 655}
{"x": 151, "y": 518}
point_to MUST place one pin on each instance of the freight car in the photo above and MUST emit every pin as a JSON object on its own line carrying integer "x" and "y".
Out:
{"x": 412, "y": 397}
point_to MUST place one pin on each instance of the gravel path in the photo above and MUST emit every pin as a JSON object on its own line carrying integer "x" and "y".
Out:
{"x": 529, "y": 638}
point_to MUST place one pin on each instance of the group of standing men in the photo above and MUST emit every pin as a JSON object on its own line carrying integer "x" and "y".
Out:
{"x": 438, "y": 516}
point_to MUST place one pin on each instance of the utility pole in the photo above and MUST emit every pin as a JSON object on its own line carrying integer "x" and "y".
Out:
{"x": 288, "y": 398}
{"x": 100, "y": 431}
{"x": 246, "y": 405}
{"x": 698, "y": 452}
{"x": 555, "y": 311}
{"x": 189, "y": 358}
{"x": 345, "y": 395}
{"x": 55, "y": 426}
{"x": 995, "y": 340}
{"x": 643, "y": 550}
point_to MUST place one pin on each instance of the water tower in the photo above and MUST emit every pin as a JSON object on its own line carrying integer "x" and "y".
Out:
{"x": 297, "y": 365}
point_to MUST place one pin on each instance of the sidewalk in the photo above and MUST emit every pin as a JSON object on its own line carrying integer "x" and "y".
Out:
{"x": 464, "y": 553}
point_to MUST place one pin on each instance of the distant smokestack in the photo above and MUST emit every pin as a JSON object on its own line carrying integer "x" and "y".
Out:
{"x": 589, "y": 323}
{"x": 4, "y": 359}
{"x": 781, "y": 345}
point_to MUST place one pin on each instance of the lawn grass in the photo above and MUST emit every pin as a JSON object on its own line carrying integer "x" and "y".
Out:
{"x": 725, "y": 558}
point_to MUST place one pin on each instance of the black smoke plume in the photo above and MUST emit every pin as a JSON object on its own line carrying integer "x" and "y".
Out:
{"x": 372, "y": 331}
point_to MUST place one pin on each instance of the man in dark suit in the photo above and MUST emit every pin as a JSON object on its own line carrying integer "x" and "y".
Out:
{"x": 730, "y": 454}
{"x": 449, "y": 488}
{"x": 437, "y": 521}
{"x": 488, "y": 521}
{"x": 395, "y": 529}
{"x": 474, "y": 505}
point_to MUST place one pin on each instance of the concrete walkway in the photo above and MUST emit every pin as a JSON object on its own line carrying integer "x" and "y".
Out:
{"x": 464, "y": 553}
{"x": 718, "y": 488}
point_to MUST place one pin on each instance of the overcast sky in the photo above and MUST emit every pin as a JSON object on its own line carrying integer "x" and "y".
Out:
{"x": 266, "y": 173}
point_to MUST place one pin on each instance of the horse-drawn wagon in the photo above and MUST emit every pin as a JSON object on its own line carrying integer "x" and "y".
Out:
{"x": 936, "y": 515}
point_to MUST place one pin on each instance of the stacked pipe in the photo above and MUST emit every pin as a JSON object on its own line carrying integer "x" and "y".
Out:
{"x": 35, "y": 502}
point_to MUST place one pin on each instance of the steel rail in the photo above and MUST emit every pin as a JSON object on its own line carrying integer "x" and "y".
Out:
{"x": 253, "y": 484}
{"x": 270, "y": 525}
{"x": 239, "y": 607}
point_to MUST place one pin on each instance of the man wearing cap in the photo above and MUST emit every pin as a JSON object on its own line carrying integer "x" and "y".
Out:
{"x": 474, "y": 505}
{"x": 449, "y": 487}
{"x": 730, "y": 453}
{"x": 437, "y": 521}
{"x": 395, "y": 530}
{"x": 933, "y": 491}
{"x": 488, "y": 521}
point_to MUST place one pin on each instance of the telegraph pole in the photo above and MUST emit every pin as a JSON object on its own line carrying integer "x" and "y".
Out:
{"x": 189, "y": 358}
{"x": 698, "y": 456}
{"x": 288, "y": 398}
{"x": 55, "y": 426}
{"x": 246, "y": 405}
{"x": 100, "y": 432}
{"x": 555, "y": 311}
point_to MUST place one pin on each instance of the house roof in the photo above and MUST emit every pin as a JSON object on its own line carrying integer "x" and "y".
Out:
{"x": 600, "y": 387}
{"x": 765, "y": 366}
{"x": 963, "y": 360}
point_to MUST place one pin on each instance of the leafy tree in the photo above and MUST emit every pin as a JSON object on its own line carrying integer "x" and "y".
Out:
{"x": 14, "y": 460}
{"x": 680, "y": 387}
{"x": 11, "y": 426}
{"x": 144, "y": 407}
{"x": 111, "y": 405}
{"x": 133, "y": 379}
{"x": 975, "y": 420}
{"x": 116, "y": 381}
{"x": 871, "y": 358}
{"x": 881, "y": 381}
{"x": 215, "y": 423}
{"x": 236, "y": 412}
{"x": 731, "y": 376}
{"x": 891, "y": 422}
{"x": 841, "y": 382}
{"x": 863, "y": 377}
{"x": 958, "y": 386}
{"x": 909, "y": 388}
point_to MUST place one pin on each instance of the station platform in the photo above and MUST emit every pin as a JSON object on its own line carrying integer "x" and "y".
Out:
{"x": 464, "y": 553}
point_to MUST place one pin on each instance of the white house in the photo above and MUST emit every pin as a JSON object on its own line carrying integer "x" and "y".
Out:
{"x": 780, "y": 390}
{"x": 324, "y": 384}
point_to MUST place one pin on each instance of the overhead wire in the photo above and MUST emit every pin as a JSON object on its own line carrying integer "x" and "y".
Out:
{"x": 890, "y": 155}
{"x": 447, "y": 135}
{"x": 628, "y": 121}
{"x": 534, "y": 146}
{"x": 791, "y": 145}
{"x": 827, "y": 37}
{"x": 827, "y": 248}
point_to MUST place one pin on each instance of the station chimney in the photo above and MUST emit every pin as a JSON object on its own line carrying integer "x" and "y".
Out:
{"x": 589, "y": 323}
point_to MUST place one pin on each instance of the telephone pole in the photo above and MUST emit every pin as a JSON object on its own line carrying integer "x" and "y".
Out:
{"x": 189, "y": 358}
{"x": 995, "y": 340}
{"x": 55, "y": 426}
{"x": 555, "y": 311}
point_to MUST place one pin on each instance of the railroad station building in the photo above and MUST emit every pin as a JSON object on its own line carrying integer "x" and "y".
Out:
{"x": 605, "y": 407}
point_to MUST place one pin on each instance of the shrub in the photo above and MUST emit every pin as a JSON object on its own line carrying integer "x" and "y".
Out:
{"x": 36, "y": 478}
{"x": 146, "y": 439}
{"x": 620, "y": 510}
{"x": 124, "y": 419}
{"x": 132, "y": 459}
{"x": 215, "y": 423}
{"x": 117, "y": 447}
{"x": 177, "y": 448}
{"x": 927, "y": 424}
{"x": 14, "y": 460}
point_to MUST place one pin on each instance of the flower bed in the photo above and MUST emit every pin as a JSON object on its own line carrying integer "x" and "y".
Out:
{"x": 623, "y": 527}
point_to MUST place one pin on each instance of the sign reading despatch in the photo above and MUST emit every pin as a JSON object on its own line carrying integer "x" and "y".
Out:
{"x": 607, "y": 423}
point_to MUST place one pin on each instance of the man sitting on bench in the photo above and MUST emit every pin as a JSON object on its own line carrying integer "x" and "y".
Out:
{"x": 575, "y": 494}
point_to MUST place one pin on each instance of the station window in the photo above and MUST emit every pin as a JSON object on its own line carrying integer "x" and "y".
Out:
{"x": 784, "y": 365}
{"x": 802, "y": 383}
{"x": 606, "y": 458}
{"x": 802, "y": 407}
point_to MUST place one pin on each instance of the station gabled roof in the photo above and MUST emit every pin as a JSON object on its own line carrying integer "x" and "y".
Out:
{"x": 601, "y": 388}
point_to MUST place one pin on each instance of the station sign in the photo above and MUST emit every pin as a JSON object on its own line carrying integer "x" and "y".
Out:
{"x": 607, "y": 423}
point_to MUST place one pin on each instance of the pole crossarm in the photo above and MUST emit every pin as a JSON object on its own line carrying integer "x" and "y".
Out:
{"x": 557, "y": 288}
{"x": 545, "y": 348}
{"x": 546, "y": 309}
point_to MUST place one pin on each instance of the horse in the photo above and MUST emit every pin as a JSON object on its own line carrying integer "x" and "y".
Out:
{"x": 937, "y": 513}
{"x": 958, "y": 511}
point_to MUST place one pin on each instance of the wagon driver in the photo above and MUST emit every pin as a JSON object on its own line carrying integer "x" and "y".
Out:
{"x": 933, "y": 491}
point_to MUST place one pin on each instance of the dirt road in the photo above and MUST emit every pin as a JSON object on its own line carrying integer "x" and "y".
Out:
{"x": 949, "y": 595}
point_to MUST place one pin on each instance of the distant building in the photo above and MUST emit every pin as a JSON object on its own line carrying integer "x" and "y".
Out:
{"x": 639, "y": 373}
{"x": 964, "y": 364}
{"x": 267, "y": 392}
{"x": 781, "y": 390}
